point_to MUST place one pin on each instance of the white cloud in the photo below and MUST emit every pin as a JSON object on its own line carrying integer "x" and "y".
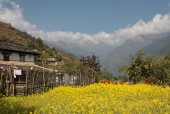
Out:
{"x": 159, "y": 24}
{"x": 14, "y": 16}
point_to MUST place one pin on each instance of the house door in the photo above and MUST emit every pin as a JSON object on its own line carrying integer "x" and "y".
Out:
{"x": 6, "y": 56}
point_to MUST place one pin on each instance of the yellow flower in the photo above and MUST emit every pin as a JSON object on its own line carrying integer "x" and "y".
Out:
{"x": 155, "y": 100}
{"x": 93, "y": 99}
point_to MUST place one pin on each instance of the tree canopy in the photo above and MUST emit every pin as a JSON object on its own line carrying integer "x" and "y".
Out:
{"x": 148, "y": 69}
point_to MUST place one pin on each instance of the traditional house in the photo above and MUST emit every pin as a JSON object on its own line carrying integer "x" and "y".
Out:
{"x": 18, "y": 73}
{"x": 13, "y": 52}
{"x": 52, "y": 61}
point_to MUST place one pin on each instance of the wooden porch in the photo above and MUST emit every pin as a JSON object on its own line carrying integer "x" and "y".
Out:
{"x": 34, "y": 78}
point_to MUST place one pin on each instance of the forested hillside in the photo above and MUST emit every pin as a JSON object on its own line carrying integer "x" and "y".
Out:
{"x": 13, "y": 35}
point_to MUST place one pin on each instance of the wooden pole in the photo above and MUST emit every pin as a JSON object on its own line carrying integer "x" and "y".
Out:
{"x": 27, "y": 80}
{"x": 12, "y": 81}
{"x": 60, "y": 79}
{"x": 33, "y": 81}
{"x": 7, "y": 84}
{"x": 1, "y": 80}
{"x": 43, "y": 76}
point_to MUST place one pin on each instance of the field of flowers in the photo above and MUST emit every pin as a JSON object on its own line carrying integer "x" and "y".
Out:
{"x": 95, "y": 98}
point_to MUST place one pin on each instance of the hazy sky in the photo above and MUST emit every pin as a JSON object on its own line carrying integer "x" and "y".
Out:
{"x": 109, "y": 22}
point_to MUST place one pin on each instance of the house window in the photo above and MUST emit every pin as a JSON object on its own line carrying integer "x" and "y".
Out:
{"x": 22, "y": 58}
{"x": 6, "y": 56}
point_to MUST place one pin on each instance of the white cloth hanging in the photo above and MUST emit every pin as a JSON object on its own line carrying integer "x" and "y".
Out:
{"x": 17, "y": 72}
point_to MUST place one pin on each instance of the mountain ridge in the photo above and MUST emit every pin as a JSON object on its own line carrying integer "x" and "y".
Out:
{"x": 122, "y": 54}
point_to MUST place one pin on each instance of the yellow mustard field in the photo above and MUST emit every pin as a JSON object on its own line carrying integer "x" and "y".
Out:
{"x": 92, "y": 99}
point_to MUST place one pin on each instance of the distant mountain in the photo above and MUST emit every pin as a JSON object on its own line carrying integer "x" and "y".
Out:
{"x": 81, "y": 49}
{"x": 158, "y": 47}
{"x": 112, "y": 57}
{"x": 69, "y": 48}
{"x": 122, "y": 54}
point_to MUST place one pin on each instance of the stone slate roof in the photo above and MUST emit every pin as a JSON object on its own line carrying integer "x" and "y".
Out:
{"x": 5, "y": 46}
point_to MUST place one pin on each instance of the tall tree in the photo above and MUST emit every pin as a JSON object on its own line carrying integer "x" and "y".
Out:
{"x": 135, "y": 69}
{"x": 71, "y": 68}
{"x": 91, "y": 67}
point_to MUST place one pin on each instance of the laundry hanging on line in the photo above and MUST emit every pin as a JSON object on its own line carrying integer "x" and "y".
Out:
{"x": 17, "y": 72}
